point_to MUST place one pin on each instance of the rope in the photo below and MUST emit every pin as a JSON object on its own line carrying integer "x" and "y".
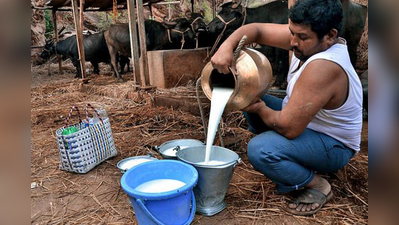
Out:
{"x": 170, "y": 40}
{"x": 240, "y": 45}
{"x": 221, "y": 34}
{"x": 192, "y": 23}
{"x": 244, "y": 13}
{"x": 200, "y": 106}
{"x": 182, "y": 34}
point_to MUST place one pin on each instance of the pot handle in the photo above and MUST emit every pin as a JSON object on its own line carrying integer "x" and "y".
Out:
{"x": 239, "y": 47}
{"x": 177, "y": 148}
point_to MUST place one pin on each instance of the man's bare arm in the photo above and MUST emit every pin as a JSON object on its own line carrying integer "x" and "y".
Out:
{"x": 274, "y": 35}
{"x": 314, "y": 89}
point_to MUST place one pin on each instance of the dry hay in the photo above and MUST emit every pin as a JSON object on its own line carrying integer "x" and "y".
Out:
{"x": 97, "y": 198}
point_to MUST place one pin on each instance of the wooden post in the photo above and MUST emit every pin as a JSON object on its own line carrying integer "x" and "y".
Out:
{"x": 290, "y": 3}
{"x": 150, "y": 8}
{"x": 169, "y": 13}
{"x": 133, "y": 41}
{"x": 79, "y": 35}
{"x": 114, "y": 11}
{"x": 214, "y": 8}
{"x": 143, "y": 44}
{"x": 56, "y": 38}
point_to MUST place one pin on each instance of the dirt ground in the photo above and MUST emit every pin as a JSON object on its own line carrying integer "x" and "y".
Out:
{"x": 59, "y": 197}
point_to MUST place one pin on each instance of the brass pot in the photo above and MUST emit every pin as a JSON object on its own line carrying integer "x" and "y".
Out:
{"x": 253, "y": 79}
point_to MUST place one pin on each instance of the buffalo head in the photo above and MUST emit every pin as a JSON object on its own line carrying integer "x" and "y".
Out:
{"x": 197, "y": 23}
{"x": 48, "y": 50}
{"x": 230, "y": 12}
{"x": 183, "y": 25}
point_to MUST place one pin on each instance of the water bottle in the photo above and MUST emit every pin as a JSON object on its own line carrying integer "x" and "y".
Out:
{"x": 103, "y": 114}
{"x": 94, "y": 120}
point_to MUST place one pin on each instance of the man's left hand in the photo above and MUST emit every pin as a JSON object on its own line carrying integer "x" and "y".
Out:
{"x": 255, "y": 107}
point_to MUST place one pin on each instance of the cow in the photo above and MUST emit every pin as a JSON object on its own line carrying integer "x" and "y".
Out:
{"x": 277, "y": 12}
{"x": 94, "y": 46}
{"x": 233, "y": 15}
{"x": 158, "y": 36}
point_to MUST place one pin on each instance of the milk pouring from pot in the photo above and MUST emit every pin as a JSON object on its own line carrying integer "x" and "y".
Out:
{"x": 253, "y": 78}
{"x": 220, "y": 96}
{"x": 234, "y": 90}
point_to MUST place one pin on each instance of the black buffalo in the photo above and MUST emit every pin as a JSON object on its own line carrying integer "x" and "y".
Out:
{"x": 158, "y": 36}
{"x": 94, "y": 46}
{"x": 200, "y": 29}
{"x": 234, "y": 14}
{"x": 355, "y": 16}
{"x": 277, "y": 12}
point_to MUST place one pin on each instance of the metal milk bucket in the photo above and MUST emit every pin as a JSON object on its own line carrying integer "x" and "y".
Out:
{"x": 253, "y": 78}
{"x": 169, "y": 149}
{"x": 213, "y": 180}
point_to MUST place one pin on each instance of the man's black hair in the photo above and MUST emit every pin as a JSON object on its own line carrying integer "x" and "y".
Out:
{"x": 321, "y": 15}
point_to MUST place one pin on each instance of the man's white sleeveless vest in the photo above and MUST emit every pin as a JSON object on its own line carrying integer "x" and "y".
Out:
{"x": 344, "y": 123}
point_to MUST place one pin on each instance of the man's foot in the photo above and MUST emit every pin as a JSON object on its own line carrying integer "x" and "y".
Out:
{"x": 309, "y": 201}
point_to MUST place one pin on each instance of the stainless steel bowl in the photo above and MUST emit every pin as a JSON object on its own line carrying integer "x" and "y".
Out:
{"x": 127, "y": 163}
{"x": 169, "y": 149}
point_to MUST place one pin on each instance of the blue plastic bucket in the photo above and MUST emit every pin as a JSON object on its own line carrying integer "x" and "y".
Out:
{"x": 170, "y": 207}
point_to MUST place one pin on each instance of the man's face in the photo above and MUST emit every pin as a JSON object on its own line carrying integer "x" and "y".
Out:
{"x": 304, "y": 42}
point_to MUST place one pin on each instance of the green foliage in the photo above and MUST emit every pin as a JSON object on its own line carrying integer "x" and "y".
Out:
{"x": 49, "y": 24}
{"x": 208, "y": 11}
{"x": 105, "y": 21}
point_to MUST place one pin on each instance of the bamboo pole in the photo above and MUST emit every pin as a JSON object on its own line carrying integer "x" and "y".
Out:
{"x": 290, "y": 3}
{"x": 79, "y": 34}
{"x": 143, "y": 45}
{"x": 57, "y": 39}
{"x": 114, "y": 11}
{"x": 150, "y": 8}
{"x": 133, "y": 41}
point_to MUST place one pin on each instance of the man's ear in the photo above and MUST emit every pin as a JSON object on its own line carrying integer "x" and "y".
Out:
{"x": 331, "y": 35}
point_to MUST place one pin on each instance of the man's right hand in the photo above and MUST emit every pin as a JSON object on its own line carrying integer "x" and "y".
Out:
{"x": 223, "y": 59}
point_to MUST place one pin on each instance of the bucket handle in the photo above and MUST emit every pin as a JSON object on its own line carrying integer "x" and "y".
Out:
{"x": 238, "y": 161}
{"x": 155, "y": 220}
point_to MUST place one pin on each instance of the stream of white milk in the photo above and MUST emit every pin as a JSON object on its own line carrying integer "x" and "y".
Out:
{"x": 220, "y": 96}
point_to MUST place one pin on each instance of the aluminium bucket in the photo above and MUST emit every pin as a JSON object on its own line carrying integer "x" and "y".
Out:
{"x": 213, "y": 180}
{"x": 169, "y": 207}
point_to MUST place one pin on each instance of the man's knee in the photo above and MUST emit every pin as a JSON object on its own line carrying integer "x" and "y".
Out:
{"x": 265, "y": 149}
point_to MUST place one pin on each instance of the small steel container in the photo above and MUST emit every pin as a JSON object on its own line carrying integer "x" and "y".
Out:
{"x": 127, "y": 163}
{"x": 169, "y": 149}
